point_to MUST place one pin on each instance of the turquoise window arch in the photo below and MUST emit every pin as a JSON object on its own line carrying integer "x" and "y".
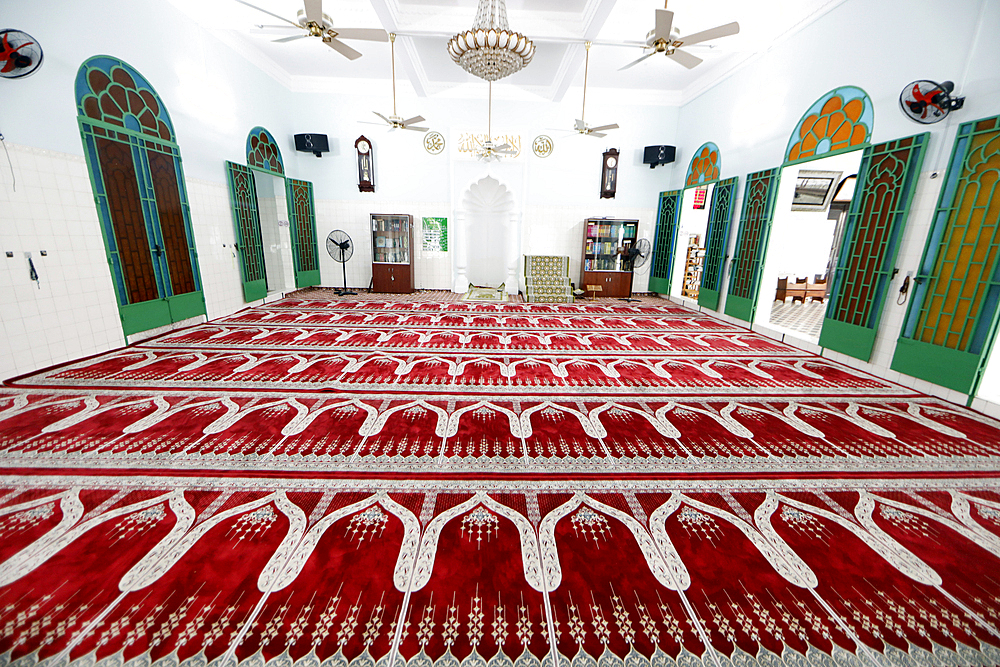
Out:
{"x": 263, "y": 152}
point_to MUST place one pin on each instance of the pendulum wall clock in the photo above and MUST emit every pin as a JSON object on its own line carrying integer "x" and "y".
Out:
{"x": 366, "y": 169}
{"x": 609, "y": 174}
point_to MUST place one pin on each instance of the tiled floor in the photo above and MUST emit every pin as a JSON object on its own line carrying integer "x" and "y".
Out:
{"x": 805, "y": 318}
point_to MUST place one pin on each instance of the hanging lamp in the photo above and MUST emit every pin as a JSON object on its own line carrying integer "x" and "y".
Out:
{"x": 490, "y": 50}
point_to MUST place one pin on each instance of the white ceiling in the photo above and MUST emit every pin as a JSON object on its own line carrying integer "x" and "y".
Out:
{"x": 558, "y": 27}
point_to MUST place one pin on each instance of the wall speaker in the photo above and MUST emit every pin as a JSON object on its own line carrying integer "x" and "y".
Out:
{"x": 656, "y": 155}
{"x": 316, "y": 144}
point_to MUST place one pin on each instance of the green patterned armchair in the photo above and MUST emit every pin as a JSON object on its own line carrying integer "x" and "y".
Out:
{"x": 546, "y": 279}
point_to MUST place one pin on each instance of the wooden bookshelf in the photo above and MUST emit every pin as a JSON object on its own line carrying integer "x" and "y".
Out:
{"x": 606, "y": 244}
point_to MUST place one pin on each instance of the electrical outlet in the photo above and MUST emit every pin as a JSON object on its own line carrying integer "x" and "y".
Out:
{"x": 909, "y": 274}
{"x": 27, "y": 255}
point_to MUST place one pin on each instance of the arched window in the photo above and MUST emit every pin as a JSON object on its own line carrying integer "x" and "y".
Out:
{"x": 135, "y": 170}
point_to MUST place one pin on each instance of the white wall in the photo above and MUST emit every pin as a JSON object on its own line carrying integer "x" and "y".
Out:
{"x": 70, "y": 312}
{"x": 751, "y": 114}
{"x": 214, "y": 97}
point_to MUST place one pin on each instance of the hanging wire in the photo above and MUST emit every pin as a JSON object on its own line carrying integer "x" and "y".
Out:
{"x": 13, "y": 178}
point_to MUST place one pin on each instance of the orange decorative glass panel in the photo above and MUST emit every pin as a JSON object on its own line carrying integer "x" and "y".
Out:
{"x": 705, "y": 165}
{"x": 839, "y": 121}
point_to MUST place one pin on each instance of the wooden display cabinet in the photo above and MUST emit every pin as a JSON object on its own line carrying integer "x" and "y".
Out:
{"x": 606, "y": 262}
{"x": 392, "y": 253}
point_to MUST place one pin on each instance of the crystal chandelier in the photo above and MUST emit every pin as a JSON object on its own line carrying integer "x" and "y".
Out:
{"x": 491, "y": 50}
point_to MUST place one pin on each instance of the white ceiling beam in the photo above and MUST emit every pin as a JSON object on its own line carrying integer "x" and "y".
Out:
{"x": 412, "y": 65}
{"x": 568, "y": 68}
{"x": 388, "y": 13}
{"x": 595, "y": 13}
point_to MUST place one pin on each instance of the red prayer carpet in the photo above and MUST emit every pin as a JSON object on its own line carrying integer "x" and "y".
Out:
{"x": 422, "y": 482}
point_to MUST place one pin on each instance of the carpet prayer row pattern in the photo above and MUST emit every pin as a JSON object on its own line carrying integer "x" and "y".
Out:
{"x": 198, "y": 572}
{"x": 418, "y": 483}
{"x": 309, "y": 384}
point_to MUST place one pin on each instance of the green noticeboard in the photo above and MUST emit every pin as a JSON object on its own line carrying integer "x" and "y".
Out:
{"x": 435, "y": 234}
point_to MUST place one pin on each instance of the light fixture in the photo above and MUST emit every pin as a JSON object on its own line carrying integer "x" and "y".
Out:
{"x": 491, "y": 50}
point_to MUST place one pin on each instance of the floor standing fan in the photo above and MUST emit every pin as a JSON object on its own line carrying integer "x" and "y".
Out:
{"x": 340, "y": 247}
{"x": 638, "y": 254}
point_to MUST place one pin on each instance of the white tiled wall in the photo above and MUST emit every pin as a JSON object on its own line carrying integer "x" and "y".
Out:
{"x": 215, "y": 238}
{"x": 70, "y": 311}
{"x": 432, "y": 270}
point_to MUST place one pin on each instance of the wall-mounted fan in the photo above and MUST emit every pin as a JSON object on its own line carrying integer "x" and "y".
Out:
{"x": 317, "y": 24}
{"x": 397, "y": 122}
{"x": 20, "y": 54}
{"x": 341, "y": 248}
{"x": 927, "y": 102}
{"x": 666, "y": 39}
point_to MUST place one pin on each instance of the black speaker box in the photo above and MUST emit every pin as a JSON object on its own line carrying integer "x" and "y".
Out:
{"x": 312, "y": 143}
{"x": 656, "y": 155}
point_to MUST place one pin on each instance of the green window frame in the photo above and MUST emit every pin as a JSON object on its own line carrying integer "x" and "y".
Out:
{"x": 665, "y": 242}
{"x": 866, "y": 262}
{"x": 137, "y": 178}
{"x": 716, "y": 242}
{"x": 752, "y": 237}
{"x": 302, "y": 214}
{"x": 951, "y": 323}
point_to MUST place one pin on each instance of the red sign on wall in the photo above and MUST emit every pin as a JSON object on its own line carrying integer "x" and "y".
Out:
{"x": 699, "y": 197}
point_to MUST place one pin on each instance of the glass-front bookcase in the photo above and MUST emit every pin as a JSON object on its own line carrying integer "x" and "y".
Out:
{"x": 607, "y": 262}
{"x": 392, "y": 248}
{"x": 391, "y": 236}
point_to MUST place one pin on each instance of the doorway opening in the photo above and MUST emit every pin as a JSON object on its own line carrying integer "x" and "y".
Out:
{"x": 692, "y": 237}
{"x": 807, "y": 229}
{"x": 279, "y": 269}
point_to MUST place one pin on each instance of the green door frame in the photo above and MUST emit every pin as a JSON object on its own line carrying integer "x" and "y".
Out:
{"x": 169, "y": 307}
{"x": 302, "y": 229}
{"x": 665, "y": 241}
{"x": 246, "y": 221}
{"x": 951, "y": 323}
{"x": 752, "y": 237}
{"x": 717, "y": 242}
{"x": 866, "y": 262}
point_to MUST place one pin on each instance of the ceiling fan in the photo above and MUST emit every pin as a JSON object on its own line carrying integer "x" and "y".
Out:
{"x": 317, "y": 24}
{"x": 666, "y": 39}
{"x": 488, "y": 152}
{"x": 397, "y": 122}
{"x": 582, "y": 126}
